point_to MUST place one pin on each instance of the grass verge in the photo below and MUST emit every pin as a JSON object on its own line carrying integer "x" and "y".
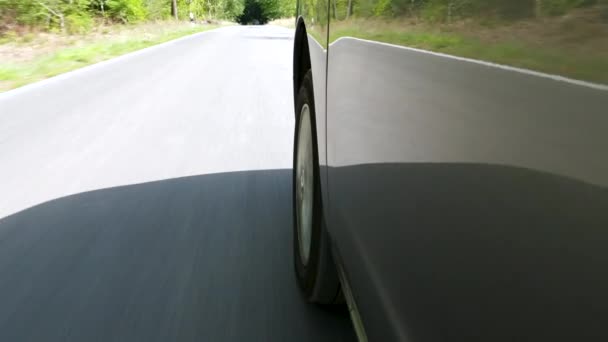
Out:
{"x": 575, "y": 47}
{"x": 45, "y": 55}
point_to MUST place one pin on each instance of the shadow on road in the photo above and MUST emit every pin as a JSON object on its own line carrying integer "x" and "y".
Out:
{"x": 205, "y": 258}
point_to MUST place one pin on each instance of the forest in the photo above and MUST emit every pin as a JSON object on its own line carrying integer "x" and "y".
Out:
{"x": 449, "y": 10}
{"x": 80, "y": 16}
{"x": 42, "y": 38}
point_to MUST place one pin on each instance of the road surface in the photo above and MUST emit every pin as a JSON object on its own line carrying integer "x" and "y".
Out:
{"x": 148, "y": 199}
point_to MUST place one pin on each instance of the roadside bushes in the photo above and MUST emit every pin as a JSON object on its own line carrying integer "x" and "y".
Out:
{"x": 448, "y": 10}
{"x": 79, "y": 16}
{"x": 78, "y": 23}
{"x": 72, "y": 16}
{"x": 63, "y": 15}
{"x": 126, "y": 10}
{"x": 561, "y": 7}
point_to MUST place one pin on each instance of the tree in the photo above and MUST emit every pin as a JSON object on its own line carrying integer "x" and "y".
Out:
{"x": 126, "y": 10}
{"x": 174, "y": 9}
{"x": 54, "y": 10}
{"x": 349, "y": 9}
{"x": 70, "y": 15}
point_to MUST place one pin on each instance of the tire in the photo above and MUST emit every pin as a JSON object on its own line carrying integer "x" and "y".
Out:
{"x": 315, "y": 271}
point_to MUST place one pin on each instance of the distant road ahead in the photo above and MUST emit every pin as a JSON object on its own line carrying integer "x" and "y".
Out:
{"x": 148, "y": 199}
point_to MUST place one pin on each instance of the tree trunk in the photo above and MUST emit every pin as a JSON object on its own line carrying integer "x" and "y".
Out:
{"x": 349, "y": 9}
{"x": 335, "y": 9}
{"x": 538, "y": 8}
{"x": 56, "y": 13}
{"x": 174, "y": 9}
{"x": 450, "y": 5}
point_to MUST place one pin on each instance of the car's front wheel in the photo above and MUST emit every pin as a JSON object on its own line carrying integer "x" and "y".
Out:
{"x": 315, "y": 269}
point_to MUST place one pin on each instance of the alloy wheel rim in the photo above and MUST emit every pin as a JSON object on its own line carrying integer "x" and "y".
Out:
{"x": 304, "y": 184}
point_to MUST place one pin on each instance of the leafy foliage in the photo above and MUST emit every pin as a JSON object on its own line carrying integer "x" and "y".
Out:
{"x": 261, "y": 11}
{"x": 72, "y": 15}
{"x": 126, "y": 10}
{"x": 446, "y": 10}
{"x": 78, "y": 16}
{"x": 253, "y": 13}
{"x": 157, "y": 9}
{"x": 78, "y": 23}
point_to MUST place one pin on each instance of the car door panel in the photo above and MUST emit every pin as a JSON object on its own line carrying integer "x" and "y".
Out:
{"x": 467, "y": 200}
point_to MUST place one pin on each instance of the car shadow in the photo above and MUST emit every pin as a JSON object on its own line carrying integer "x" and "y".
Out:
{"x": 205, "y": 258}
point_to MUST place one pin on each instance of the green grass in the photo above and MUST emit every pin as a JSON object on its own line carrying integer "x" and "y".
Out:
{"x": 15, "y": 74}
{"x": 550, "y": 57}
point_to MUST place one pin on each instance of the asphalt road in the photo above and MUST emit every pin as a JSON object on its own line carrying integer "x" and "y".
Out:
{"x": 148, "y": 199}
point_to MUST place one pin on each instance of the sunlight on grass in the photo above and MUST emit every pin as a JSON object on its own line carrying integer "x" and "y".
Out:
{"x": 13, "y": 75}
{"x": 553, "y": 57}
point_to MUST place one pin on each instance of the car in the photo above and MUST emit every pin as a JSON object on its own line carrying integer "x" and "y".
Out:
{"x": 448, "y": 196}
